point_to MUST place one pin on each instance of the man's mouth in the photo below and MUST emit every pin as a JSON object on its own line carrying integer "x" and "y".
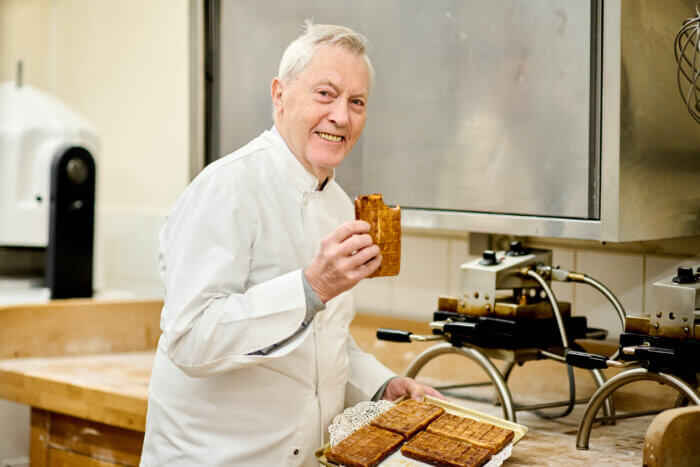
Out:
{"x": 330, "y": 137}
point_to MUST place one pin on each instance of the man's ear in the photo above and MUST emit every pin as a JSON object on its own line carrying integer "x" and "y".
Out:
{"x": 276, "y": 91}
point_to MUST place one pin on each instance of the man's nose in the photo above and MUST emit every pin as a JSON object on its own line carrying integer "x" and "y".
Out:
{"x": 339, "y": 114}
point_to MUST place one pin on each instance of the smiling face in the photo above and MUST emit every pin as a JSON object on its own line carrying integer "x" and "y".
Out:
{"x": 321, "y": 112}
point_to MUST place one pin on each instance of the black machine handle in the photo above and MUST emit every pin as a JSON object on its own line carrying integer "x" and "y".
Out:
{"x": 643, "y": 352}
{"x": 589, "y": 361}
{"x": 460, "y": 329}
{"x": 393, "y": 335}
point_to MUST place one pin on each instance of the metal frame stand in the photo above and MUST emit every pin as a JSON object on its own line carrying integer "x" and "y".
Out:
{"x": 480, "y": 359}
{"x": 497, "y": 378}
{"x": 605, "y": 391}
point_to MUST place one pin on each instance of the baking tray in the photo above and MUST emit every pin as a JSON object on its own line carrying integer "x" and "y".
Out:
{"x": 518, "y": 430}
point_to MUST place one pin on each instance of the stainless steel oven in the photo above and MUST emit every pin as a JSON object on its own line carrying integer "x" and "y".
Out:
{"x": 557, "y": 118}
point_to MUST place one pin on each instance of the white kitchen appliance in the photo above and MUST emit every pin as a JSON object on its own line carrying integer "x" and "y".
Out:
{"x": 47, "y": 192}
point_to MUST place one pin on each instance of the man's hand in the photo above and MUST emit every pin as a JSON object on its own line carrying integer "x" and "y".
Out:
{"x": 399, "y": 386}
{"x": 346, "y": 257}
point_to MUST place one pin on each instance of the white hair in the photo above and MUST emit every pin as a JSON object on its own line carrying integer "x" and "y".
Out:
{"x": 299, "y": 53}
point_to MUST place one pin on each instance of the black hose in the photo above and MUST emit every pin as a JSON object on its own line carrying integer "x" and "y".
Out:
{"x": 572, "y": 391}
{"x": 572, "y": 398}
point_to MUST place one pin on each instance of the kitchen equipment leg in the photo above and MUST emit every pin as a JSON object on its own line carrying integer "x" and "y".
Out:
{"x": 608, "y": 407}
{"x": 505, "y": 371}
{"x": 618, "y": 381}
{"x": 477, "y": 357}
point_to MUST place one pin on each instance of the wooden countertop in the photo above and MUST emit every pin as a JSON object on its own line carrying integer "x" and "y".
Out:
{"x": 93, "y": 360}
{"x": 86, "y": 358}
{"x": 106, "y": 388}
{"x": 113, "y": 389}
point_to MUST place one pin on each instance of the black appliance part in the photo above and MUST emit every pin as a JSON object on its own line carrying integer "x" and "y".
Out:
{"x": 71, "y": 224}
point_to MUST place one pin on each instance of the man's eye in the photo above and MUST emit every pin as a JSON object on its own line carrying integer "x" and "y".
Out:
{"x": 324, "y": 93}
{"x": 358, "y": 102}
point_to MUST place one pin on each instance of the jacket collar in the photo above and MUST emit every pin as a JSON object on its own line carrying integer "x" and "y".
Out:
{"x": 299, "y": 176}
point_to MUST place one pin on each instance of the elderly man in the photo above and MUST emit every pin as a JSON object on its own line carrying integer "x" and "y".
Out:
{"x": 257, "y": 258}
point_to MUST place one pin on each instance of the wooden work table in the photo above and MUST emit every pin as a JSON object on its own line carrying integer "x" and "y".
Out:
{"x": 107, "y": 388}
{"x": 84, "y": 368}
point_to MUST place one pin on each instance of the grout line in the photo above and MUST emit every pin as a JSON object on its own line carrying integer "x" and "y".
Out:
{"x": 575, "y": 288}
{"x": 644, "y": 284}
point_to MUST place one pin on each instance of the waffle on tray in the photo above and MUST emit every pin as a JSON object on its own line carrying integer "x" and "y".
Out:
{"x": 481, "y": 434}
{"x": 408, "y": 417}
{"x": 444, "y": 452}
{"x": 385, "y": 230}
{"x": 366, "y": 447}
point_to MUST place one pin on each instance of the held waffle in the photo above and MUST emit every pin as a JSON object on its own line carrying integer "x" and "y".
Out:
{"x": 441, "y": 451}
{"x": 364, "y": 448}
{"x": 408, "y": 417}
{"x": 385, "y": 230}
{"x": 481, "y": 434}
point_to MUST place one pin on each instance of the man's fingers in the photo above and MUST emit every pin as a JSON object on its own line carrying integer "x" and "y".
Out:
{"x": 369, "y": 267}
{"x": 348, "y": 229}
{"x": 415, "y": 390}
{"x": 355, "y": 243}
{"x": 363, "y": 256}
{"x": 434, "y": 392}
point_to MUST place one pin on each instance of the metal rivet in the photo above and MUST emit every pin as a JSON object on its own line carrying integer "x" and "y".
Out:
{"x": 476, "y": 294}
{"x": 655, "y": 326}
{"x": 296, "y": 452}
{"x": 486, "y": 297}
{"x": 685, "y": 318}
{"x": 686, "y": 330}
{"x": 658, "y": 314}
{"x": 672, "y": 315}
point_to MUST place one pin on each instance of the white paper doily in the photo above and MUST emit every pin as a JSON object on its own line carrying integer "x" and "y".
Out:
{"x": 352, "y": 418}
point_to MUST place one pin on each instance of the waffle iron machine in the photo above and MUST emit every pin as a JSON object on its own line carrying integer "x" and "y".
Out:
{"x": 47, "y": 194}
{"x": 663, "y": 346}
{"x": 507, "y": 311}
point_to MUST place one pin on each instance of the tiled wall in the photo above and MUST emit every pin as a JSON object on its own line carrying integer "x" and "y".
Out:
{"x": 126, "y": 263}
{"x": 430, "y": 267}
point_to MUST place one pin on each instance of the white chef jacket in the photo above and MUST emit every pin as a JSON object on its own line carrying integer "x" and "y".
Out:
{"x": 232, "y": 254}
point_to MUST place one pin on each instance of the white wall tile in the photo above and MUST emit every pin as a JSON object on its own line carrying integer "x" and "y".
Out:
{"x": 423, "y": 278}
{"x": 129, "y": 251}
{"x": 375, "y": 295}
{"x": 566, "y": 259}
{"x": 622, "y": 274}
{"x": 660, "y": 267}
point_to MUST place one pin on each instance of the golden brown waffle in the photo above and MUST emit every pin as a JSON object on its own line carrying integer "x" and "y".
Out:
{"x": 385, "y": 230}
{"x": 441, "y": 451}
{"x": 366, "y": 447}
{"x": 408, "y": 417}
{"x": 481, "y": 434}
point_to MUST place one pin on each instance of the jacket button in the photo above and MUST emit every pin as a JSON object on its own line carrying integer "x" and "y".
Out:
{"x": 296, "y": 452}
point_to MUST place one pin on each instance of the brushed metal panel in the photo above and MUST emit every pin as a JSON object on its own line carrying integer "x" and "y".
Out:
{"x": 253, "y": 36}
{"x": 659, "y": 141}
{"x": 479, "y": 106}
{"x": 501, "y": 223}
{"x": 649, "y": 163}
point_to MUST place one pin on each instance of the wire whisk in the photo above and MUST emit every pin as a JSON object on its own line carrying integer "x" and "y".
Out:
{"x": 688, "y": 58}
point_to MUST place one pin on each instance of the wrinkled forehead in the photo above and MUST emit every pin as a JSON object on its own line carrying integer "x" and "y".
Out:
{"x": 335, "y": 64}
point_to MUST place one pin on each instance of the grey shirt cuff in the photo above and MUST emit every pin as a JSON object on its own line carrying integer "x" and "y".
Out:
{"x": 313, "y": 303}
{"x": 380, "y": 392}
